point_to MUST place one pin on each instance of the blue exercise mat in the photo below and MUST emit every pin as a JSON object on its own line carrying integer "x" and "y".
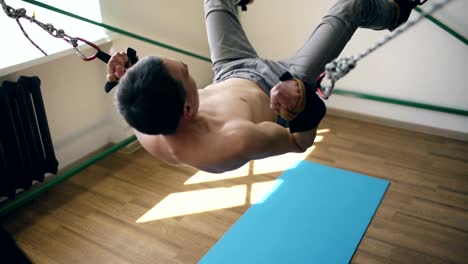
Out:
{"x": 318, "y": 214}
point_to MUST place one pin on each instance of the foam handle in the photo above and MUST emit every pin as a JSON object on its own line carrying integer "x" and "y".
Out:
{"x": 109, "y": 86}
{"x": 132, "y": 56}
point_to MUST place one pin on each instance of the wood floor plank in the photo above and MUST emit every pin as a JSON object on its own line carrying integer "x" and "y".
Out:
{"x": 49, "y": 246}
{"x": 36, "y": 254}
{"x": 95, "y": 253}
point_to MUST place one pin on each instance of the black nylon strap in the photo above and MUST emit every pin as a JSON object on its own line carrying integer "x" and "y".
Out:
{"x": 104, "y": 57}
{"x": 243, "y": 4}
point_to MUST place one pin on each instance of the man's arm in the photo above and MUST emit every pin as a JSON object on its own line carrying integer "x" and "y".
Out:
{"x": 269, "y": 139}
{"x": 238, "y": 144}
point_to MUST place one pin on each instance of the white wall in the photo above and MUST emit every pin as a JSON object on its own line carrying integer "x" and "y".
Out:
{"x": 179, "y": 23}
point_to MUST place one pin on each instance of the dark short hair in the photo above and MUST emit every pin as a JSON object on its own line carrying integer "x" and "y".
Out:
{"x": 149, "y": 98}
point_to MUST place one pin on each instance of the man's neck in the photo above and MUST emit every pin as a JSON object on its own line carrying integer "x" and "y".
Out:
{"x": 200, "y": 123}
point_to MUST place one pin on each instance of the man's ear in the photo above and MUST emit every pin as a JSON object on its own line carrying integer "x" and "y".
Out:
{"x": 188, "y": 111}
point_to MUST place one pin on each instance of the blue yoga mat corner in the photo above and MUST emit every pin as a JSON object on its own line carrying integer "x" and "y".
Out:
{"x": 317, "y": 214}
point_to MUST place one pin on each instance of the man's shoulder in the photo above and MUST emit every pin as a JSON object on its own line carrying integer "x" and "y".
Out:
{"x": 236, "y": 126}
{"x": 158, "y": 147}
{"x": 218, "y": 150}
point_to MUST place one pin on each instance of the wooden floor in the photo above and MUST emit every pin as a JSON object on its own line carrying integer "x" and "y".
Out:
{"x": 97, "y": 216}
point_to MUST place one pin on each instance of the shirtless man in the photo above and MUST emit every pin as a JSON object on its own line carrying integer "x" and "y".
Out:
{"x": 234, "y": 120}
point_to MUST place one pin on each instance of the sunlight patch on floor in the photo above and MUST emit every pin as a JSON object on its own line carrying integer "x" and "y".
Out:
{"x": 281, "y": 162}
{"x": 262, "y": 190}
{"x": 192, "y": 202}
{"x": 323, "y": 131}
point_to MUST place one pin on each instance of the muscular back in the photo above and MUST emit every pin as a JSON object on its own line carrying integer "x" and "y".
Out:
{"x": 214, "y": 140}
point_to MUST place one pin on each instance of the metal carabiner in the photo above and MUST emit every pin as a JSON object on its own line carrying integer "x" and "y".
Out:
{"x": 328, "y": 90}
{"x": 82, "y": 55}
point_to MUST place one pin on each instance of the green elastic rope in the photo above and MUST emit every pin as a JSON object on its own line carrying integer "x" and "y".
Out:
{"x": 118, "y": 30}
{"x": 443, "y": 26}
{"x": 402, "y": 102}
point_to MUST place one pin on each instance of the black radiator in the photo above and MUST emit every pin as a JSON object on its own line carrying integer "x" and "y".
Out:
{"x": 26, "y": 150}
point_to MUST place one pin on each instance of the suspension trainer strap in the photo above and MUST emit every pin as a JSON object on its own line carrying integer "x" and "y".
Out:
{"x": 104, "y": 57}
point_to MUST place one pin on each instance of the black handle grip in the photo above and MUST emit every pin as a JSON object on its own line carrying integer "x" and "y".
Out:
{"x": 286, "y": 77}
{"x": 132, "y": 56}
{"x": 103, "y": 56}
{"x": 109, "y": 85}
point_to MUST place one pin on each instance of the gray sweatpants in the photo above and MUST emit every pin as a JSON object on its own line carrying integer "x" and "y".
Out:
{"x": 233, "y": 56}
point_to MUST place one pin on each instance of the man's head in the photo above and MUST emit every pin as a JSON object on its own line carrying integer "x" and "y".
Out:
{"x": 155, "y": 94}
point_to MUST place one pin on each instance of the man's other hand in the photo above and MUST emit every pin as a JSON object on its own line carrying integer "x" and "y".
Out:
{"x": 117, "y": 66}
{"x": 286, "y": 94}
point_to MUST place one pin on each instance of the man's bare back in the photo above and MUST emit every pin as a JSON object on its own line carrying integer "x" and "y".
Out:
{"x": 211, "y": 141}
